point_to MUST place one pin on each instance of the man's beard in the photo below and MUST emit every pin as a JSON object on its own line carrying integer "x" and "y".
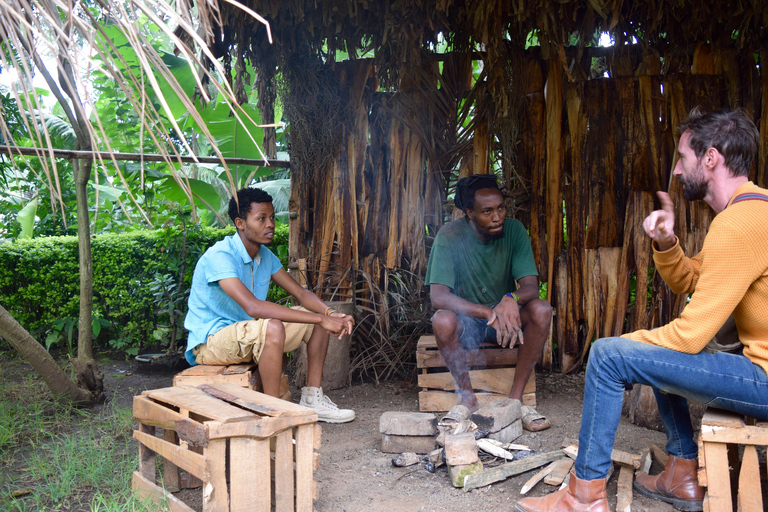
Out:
{"x": 694, "y": 188}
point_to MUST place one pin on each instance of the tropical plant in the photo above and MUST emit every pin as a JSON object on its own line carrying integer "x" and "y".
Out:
{"x": 75, "y": 38}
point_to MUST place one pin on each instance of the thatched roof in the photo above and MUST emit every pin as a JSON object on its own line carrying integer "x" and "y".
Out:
{"x": 397, "y": 29}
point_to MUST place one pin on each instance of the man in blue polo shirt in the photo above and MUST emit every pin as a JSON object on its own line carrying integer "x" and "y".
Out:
{"x": 231, "y": 322}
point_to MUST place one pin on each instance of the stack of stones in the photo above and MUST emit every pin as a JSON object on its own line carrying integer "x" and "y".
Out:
{"x": 501, "y": 418}
{"x": 407, "y": 432}
{"x": 461, "y": 457}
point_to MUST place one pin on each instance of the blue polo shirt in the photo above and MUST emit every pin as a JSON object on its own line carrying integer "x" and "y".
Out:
{"x": 210, "y": 308}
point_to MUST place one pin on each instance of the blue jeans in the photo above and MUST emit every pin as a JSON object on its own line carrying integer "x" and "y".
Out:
{"x": 726, "y": 381}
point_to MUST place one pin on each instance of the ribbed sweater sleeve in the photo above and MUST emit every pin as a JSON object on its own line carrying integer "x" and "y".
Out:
{"x": 728, "y": 276}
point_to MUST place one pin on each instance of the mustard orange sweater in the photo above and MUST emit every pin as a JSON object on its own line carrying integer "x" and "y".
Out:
{"x": 728, "y": 276}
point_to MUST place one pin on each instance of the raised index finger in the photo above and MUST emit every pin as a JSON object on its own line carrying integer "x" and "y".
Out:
{"x": 666, "y": 202}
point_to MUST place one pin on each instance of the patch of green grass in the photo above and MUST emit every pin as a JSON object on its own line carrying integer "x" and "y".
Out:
{"x": 61, "y": 457}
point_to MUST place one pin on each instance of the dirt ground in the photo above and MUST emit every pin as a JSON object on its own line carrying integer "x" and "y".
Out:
{"x": 355, "y": 476}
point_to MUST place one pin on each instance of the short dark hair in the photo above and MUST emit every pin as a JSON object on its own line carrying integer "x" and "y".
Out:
{"x": 246, "y": 196}
{"x": 464, "y": 198}
{"x": 731, "y": 132}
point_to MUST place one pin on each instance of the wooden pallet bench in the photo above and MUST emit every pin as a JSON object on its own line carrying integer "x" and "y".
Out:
{"x": 244, "y": 375}
{"x": 246, "y": 450}
{"x": 727, "y": 477}
{"x": 491, "y": 371}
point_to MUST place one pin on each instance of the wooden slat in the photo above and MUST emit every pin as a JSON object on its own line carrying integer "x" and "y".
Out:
{"x": 242, "y": 380}
{"x": 489, "y": 476}
{"x": 147, "y": 490}
{"x": 185, "y": 459}
{"x": 624, "y": 490}
{"x": 147, "y": 457}
{"x": 199, "y": 403}
{"x": 659, "y": 454}
{"x": 559, "y": 472}
{"x": 215, "y": 489}
{"x": 744, "y": 435}
{"x": 538, "y": 477}
{"x": 721, "y": 418}
{"x": 750, "y": 497}
{"x": 262, "y": 428}
{"x": 718, "y": 477}
{"x": 493, "y": 380}
{"x": 249, "y": 477}
{"x": 170, "y": 470}
{"x": 202, "y": 369}
{"x": 259, "y": 402}
{"x": 484, "y": 357}
{"x": 154, "y": 414}
{"x": 304, "y": 478}
{"x": 284, "y": 477}
{"x": 435, "y": 401}
{"x": 239, "y": 369}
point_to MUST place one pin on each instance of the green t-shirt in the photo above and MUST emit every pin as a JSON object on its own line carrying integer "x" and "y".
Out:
{"x": 477, "y": 271}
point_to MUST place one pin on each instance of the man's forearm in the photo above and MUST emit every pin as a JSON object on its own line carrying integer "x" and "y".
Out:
{"x": 271, "y": 310}
{"x": 461, "y": 306}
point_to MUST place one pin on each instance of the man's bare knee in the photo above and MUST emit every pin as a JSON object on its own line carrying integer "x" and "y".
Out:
{"x": 275, "y": 333}
{"x": 445, "y": 323}
{"x": 539, "y": 312}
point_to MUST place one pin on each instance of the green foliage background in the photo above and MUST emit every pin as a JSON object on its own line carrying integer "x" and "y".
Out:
{"x": 39, "y": 279}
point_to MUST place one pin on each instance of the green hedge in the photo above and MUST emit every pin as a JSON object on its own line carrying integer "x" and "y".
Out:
{"x": 39, "y": 279}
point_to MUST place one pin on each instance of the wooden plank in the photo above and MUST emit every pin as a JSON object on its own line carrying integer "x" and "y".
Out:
{"x": 750, "y": 498}
{"x": 721, "y": 418}
{"x": 560, "y": 471}
{"x": 284, "y": 480}
{"x": 485, "y": 357}
{"x": 538, "y": 477}
{"x": 261, "y": 428}
{"x": 240, "y": 369}
{"x": 436, "y": 401}
{"x": 201, "y": 369}
{"x": 249, "y": 476}
{"x": 617, "y": 456}
{"x": 493, "y": 380}
{"x": 147, "y": 490}
{"x": 194, "y": 381}
{"x": 215, "y": 489}
{"x": 718, "y": 477}
{"x": 194, "y": 400}
{"x": 185, "y": 459}
{"x": 154, "y": 414}
{"x": 624, "y": 490}
{"x": 744, "y": 435}
{"x": 304, "y": 475}
{"x": 499, "y": 473}
{"x": 259, "y": 402}
{"x": 426, "y": 341}
{"x": 645, "y": 461}
{"x": 171, "y": 470}
{"x": 147, "y": 457}
{"x": 660, "y": 455}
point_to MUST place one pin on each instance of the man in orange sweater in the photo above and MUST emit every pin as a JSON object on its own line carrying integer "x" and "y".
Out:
{"x": 729, "y": 276}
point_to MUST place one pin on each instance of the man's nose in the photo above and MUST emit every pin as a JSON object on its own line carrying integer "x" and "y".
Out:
{"x": 678, "y": 170}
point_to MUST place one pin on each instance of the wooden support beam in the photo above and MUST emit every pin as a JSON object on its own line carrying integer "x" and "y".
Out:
{"x": 499, "y": 473}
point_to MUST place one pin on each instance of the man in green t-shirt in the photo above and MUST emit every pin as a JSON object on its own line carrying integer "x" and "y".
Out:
{"x": 484, "y": 287}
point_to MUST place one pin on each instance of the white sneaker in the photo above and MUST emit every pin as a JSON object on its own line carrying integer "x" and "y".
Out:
{"x": 326, "y": 410}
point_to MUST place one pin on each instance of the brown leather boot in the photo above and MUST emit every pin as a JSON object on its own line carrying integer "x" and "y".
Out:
{"x": 678, "y": 484}
{"x": 579, "y": 496}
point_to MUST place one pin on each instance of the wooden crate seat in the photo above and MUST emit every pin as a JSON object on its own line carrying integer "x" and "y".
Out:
{"x": 727, "y": 477}
{"x": 491, "y": 371}
{"x": 246, "y": 451}
{"x": 243, "y": 375}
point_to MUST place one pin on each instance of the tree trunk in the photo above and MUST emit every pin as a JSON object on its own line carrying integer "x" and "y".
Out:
{"x": 60, "y": 385}
{"x": 82, "y": 172}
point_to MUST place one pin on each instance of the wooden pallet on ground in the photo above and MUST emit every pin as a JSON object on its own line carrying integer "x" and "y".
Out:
{"x": 491, "y": 371}
{"x": 727, "y": 477}
{"x": 246, "y": 450}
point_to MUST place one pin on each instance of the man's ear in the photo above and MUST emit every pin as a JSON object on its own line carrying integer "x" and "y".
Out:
{"x": 239, "y": 223}
{"x": 712, "y": 157}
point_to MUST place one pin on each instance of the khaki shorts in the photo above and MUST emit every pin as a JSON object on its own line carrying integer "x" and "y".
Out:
{"x": 242, "y": 342}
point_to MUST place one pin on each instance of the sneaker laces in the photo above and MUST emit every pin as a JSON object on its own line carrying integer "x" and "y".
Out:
{"x": 327, "y": 402}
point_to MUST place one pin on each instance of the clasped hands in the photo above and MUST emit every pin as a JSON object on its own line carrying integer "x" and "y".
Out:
{"x": 505, "y": 318}
{"x": 338, "y": 324}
